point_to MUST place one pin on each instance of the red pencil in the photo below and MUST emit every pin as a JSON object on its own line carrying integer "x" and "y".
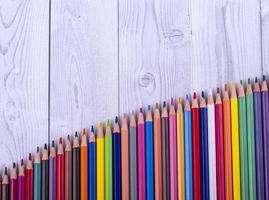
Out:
{"x": 219, "y": 147}
{"x": 13, "y": 182}
{"x": 196, "y": 149}
{"x": 21, "y": 182}
{"x": 29, "y": 179}
{"x": 60, "y": 172}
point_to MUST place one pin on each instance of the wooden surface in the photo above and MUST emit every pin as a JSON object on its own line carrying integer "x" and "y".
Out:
{"x": 69, "y": 65}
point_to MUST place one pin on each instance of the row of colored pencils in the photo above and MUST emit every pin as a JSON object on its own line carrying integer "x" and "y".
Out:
{"x": 212, "y": 147}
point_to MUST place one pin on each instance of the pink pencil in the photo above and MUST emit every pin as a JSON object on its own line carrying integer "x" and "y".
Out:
{"x": 141, "y": 156}
{"x": 21, "y": 182}
{"x": 173, "y": 151}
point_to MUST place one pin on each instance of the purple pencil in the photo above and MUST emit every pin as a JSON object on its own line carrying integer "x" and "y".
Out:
{"x": 141, "y": 156}
{"x": 21, "y": 182}
{"x": 52, "y": 172}
{"x": 265, "y": 127}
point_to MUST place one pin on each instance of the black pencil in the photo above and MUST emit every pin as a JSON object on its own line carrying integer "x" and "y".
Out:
{"x": 76, "y": 168}
{"x": 5, "y": 186}
{"x": 165, "y": 153}
{"x": 45, "y": 174}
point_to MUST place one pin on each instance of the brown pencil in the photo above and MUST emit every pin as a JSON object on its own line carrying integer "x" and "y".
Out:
{"x": 68, "y": 169}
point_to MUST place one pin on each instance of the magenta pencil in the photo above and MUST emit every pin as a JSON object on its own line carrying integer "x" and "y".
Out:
{"x": 141, "y": 156}
{"x": 21, "y": 182}
{"x": 13, "y": 183}
{"x": 173, "y": 151}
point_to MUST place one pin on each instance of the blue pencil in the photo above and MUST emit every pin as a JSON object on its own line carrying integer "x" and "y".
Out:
{"x": 204, "y": 149}
{"x": 149, "y": 156}
{"x": 116, "y": 161}
{"x": 92, "y": 166}
{"x": 37, "y": 176}
{"x": 188, "y": 150}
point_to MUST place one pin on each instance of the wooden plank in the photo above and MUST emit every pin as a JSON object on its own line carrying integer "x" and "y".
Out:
{"x": 84, "y": 68}
{"x": 154, "y": 50}
{"x": 265, "y": 35}
{"x": 226, "y": 42}
{"x": 24, "y": 41}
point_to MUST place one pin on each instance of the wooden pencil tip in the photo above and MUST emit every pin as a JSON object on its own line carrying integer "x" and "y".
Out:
{"x": 61, "y": 140}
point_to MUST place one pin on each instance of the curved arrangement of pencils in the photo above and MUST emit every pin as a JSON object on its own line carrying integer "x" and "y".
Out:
{"x": 212, "y": 146}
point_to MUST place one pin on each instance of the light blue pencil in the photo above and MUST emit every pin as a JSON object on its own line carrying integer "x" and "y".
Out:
{"x": 188, "y": 150}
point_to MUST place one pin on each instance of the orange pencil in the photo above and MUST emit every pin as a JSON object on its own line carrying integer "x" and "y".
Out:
{"x": 228, "y": 173}
{"x": 157, "y": 153}
{"x": 84, "y": 166}
{"x": 125, "y": 158}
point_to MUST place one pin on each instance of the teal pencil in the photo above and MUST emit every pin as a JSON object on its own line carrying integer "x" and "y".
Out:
{"x": 37, "y": 175}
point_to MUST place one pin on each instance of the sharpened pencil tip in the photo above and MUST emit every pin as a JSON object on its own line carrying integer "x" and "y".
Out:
{"x": 263, "y": 77}
{"x": 76, "y": 134}
{"x": 68, "y": 137}
{"x": 241, "y": 82}
{"x": 37, "y": 148}
{"x": 164, "y": 104}
{"x": 256, "y": 79}
{"x": 187, "y": 96}
{"x": 148, "y": 107}
{"x": 203, "y": 94}
{"x": 30, "y": 156}
{"x": 21, "y": 162}
{"x": 194, "y": 95}
{"x": 225, "y": 87}
{"x": 45, "y": 146}
{"x": 5, "y": 170}
{"x": 217, "y": 90}
{"x": 141, "y": 110}
{"x": 248, "y": 80}
{"x": 92, "y": 129}
{"x": 108, "y": 123}
{"x": 233, "y": 86}
{"x": 61, "y": 140}
{"x": 116, "y": 119}
{"x": 53, "y": 143}
{"x": 14, "y": 165}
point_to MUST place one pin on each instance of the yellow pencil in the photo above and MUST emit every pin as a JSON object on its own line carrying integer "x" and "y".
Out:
{"x": 180, "y": 150}
{"x": 100, "y": 155}
{"x": 235, "y": 145}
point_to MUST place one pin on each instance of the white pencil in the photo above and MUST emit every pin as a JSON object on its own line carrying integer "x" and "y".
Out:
{"x": 211, "y": 146}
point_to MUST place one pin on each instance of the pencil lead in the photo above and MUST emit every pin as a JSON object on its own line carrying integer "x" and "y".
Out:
{"x": 172, "y": 101}
{"x": 164, "y": 104}
{"x": 141, "y": 110}
{"x": 256, "y": 79}
{"x": 45, "y": 146}
{"x": 37, "y": 148}
{"x": 5, "y": 170}
{"x": 53, "y": 143}
{"x": 76, "y": 134}
{"x": 116, "y": 119}
{"x": 125, "y": 115}
{"x": 156, "y": 105}
{"x": 241, "y": 82}
{"x": 133, "y": 112}
{"x": 225, "y": 87}
{"x": 218, "y": 90}
{"x": 148, "y": 107}
{"x": 233, "y": 86}
{"x": 21, "y": 162}
{"x": 92, "y": 129}
{"x": 108, "y": 123}
{"x": 248, "y": 80}
{"x": 68, "y": 137}
{"x": 194, "y": 95}
{"x": 14, "y": 165}
{"x": 203, "y": 94}
{"x": 61, "y": 140}
{"x": 187, "y": 96}
{"x": 263, "y": 78}
{"x": 84, "y": 131}
{"x": 30, "y": 156}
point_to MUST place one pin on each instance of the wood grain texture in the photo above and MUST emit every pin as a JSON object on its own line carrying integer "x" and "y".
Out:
{"x": 84, "y": 67}
{"x": 265, "y": 35}
{"x": 226, "y": 41}
{"x": 154, "y": 51}
{"x": 24, "y": 41}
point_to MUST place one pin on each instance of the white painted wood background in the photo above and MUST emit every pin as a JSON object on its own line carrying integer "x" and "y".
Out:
{"x": 67, "y": 64}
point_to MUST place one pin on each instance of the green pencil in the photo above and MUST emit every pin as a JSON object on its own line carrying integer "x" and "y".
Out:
{"x": 251, "y": 143}
{"x": 243, "y": 142}
{"x": 37, "y": 176}
{"x": 108, "y": 162}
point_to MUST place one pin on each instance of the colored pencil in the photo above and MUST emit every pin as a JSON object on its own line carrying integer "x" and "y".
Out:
{"x": 13, "y": 183}
{"x": 45, "y": 174}
{"x": 100, "y": 160}
{"x": 133, "y": 158}
{"x": 84, "y": 166}
{"x": 68, "y": 169}
{"x": 149, "y": 155}
{"x": 5, "y": 186}
{"x": 251, "y": 143}
{"x": 259, "y": 141}
{"x": 125, "y": 158}
{"x": 227, "y": 138}
{"x": 108, "y": 163}
{"x": 165, "y": 153}
{"x": 180, "y": 151}
{"x": 235, "y": 144}
{"x": 29, "y": 179}
{"x": 0, "y": 188}
{"x": 116, "y": 161}
{"x": 173, "y": 151}
{"x": 158, "y": 153}
{"x": 52, "y": 172}
{"x": 141, "y": 156}
{"x": 204, "y": 148}
{"x": 219, "y": 146}
{"x": 211, "y": 147}
{"x": 265, "y": 128}
{"x": 92, "y": 165}
{"x": 60, "y": 171}
{"x": 21, "y": 182}
{"x": 196, "y": 149}
{"x": 188, "y": 149}
{"x": 243, "y": 142}
{"x": 76, "y": 168}
{"x": 37, "y": 175}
